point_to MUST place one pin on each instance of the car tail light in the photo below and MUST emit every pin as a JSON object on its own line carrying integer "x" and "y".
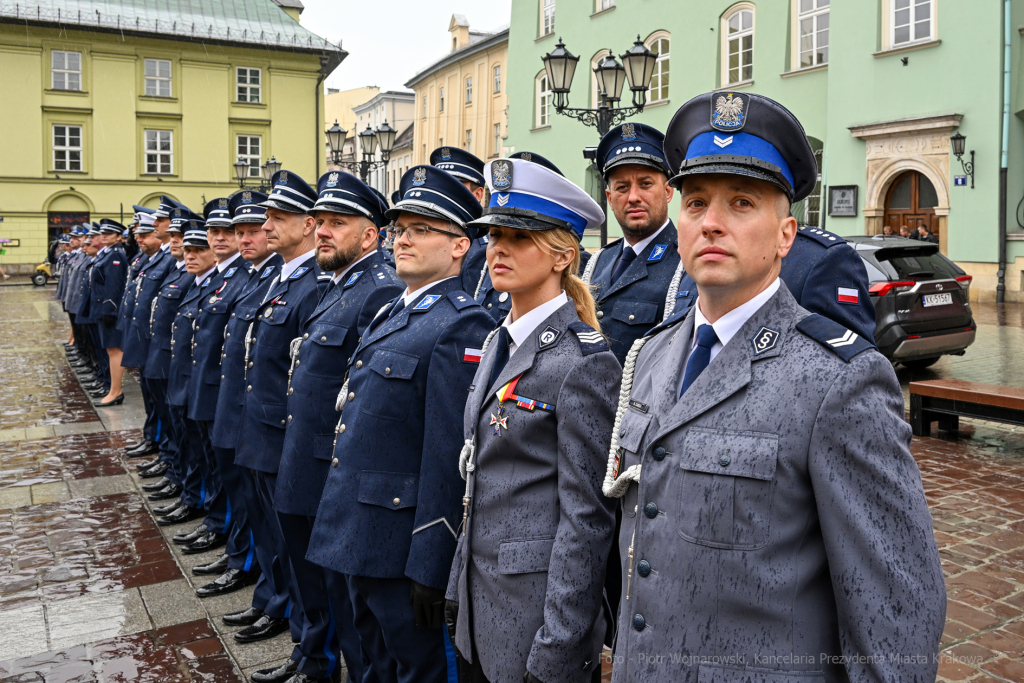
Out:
{"x": 965, "y": 281}
{"x": 883, "y": 288}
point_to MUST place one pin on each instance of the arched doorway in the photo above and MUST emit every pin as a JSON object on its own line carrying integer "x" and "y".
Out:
{"x": 911, "y": 201}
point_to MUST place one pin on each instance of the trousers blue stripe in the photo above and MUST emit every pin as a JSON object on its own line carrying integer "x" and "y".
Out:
{"x": 252, "y": 551}
{"x": 227, "y": 518}
{"x": 333, "y": 661}
{"x": 449, "y": 655}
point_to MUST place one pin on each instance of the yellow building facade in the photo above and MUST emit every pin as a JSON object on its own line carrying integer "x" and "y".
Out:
{"x": 461, "y": 99}
{"x": 96, "y": 119}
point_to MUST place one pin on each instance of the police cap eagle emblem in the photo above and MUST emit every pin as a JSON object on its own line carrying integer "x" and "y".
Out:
{"x": 501, "y": 175}
{"x": 727, "y": 112}
{"x": 419, "y": 176}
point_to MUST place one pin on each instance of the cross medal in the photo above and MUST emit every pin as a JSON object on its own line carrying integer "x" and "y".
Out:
{"x": 500, "y": 420}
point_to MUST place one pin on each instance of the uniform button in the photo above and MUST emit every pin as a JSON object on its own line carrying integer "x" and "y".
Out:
{"x": 249, "y": 388}
{"x": 222, "y": 378}
{"x": 632, "y": 317}
{"x": 359, "y": 364}
{"x": 600, "y": 314}
{"x": 639, "y": 623}
{"x": 334, "y": 463}
{"x": 659, "y": 453}
{"x": 503, "y": 297}
{"x": 290, "y": 391}
{"x": 724, "y": 461}
{"x": 172, "y": 355}
{"x": 341, "y": 429}
{"x": 250, "y": 364}
{"x": 651, "y": 510}
{"x": 489, "y": 306}
{"x": 643, "y": 568}
{"x": 306, "y": 336}
{"x": 323, "y": 338}
{"x": 289, "y": 419}
{"x": 229, "y": 335}
{"x": 387, "y": 371}
{"x": 351, "y": 395}
{"x": 397, "y": 501}
{"x": 282, "y": 423}
{"x": 193, "y": 362}
{"x": 298, "y": 362}
{"x": 232, "y": 315}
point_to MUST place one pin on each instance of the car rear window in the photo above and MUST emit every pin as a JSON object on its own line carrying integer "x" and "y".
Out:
{"x": 916, "y": 266}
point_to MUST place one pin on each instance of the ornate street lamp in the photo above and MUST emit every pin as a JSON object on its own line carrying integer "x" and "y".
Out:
{"x": 336, "y": 141}
{"x": 560, "y": 65}
{"x": 273, "y": 166}
{"x": 611, "y": 76}
{"x": 241, "y": 171}
{"x": 368, "y": 141}
{"x": 261, "y": 183}
{"x": 959, "y": 143}
{"x": 639, "y": 62}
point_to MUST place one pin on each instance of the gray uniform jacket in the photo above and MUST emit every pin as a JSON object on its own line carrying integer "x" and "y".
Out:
{"x": 529, "y": 570}
{"x": 779, "y": 532}
{"x": 72, "y": 278}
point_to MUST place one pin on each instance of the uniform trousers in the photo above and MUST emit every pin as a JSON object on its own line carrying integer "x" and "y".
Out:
{"x": 204, "y": 461}
{"x": 151, "y": 428}
{"x": 241, "y": 550}
{"x": 167, "y": 442}
{"x": 398, "y": 651}
{"x": 184, "y": 465}
{"x": 326, "y": 604}
{"x": 100, "y": 357}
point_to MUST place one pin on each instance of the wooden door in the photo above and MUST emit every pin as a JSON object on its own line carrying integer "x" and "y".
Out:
{"x": 911, "y": 201}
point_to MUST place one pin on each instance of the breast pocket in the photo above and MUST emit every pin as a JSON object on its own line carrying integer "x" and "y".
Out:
{"x": 325, "y": 348}
{"x": 635, "y": 312}
{"x": 275, "y": 315}
{"x": 390, "y": 385}
{"x": 726, "y": 491}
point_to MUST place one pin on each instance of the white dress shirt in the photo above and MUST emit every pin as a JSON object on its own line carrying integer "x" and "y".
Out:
{"x": 293, "y": 265}
{"x": 224, "y": 264}
{"x": 409, "y": 298}
{"x": 521, "y": 329}
{"x": 203, "y": 276}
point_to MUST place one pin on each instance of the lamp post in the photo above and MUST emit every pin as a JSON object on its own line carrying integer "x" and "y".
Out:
{"x": 262, "y": 184}
{"x": 369, "y": 140}
{"x": 959, "y": 142}
{"x": 637, "y": 68}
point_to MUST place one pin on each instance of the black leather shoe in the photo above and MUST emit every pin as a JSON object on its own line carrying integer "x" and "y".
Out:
{"x": 112, "y": 402}
{"x": 92, "y": 386}
{"x": 208, "y": 541}
{"x": 143, "y": 466}
{"x": 264, "y": 629}
{"x": 276, "y": 675}
{"x": 157, "y": 470}
{"x": 215, "y": 568}
{"x": 133, "y": 445}
{"x": 166, "y": 493}
{"x": 155, "y": 486}
{"x": 180, "y": 516}
{"x": 189, "y": 536}
{"x": 300, "y": 677}
{"x": 168, "y": 509}
{"x": 280, "y": 674}
{"x": 144, "y": 448}
{"x": 97, "y": 395}
{"x": 228, "y": 582}
{"x": 246, "y": 617}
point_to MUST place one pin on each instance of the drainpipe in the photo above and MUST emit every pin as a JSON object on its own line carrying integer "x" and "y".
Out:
{"x": 324, "y": 61}
{"x": 1001, "y": 274}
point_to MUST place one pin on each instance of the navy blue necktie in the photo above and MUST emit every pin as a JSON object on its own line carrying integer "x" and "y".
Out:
{"x": 501, "y": 343}
{"x": 623, "y": 263}
{"x": 398, "y": 308}
{"x": 699, "y": 357}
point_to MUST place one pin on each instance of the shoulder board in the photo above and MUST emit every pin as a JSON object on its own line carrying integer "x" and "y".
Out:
{"x": 299, "y": 272}
{"x": 822, "y": 237}
{"x": 657, "y": 253}
{"x": 461, "y": 300}
{"x": 843, "y": 342}
{"x": 352, "y": 279}
{"x": 230, "y": 272}
{"x": 591, "y": 341}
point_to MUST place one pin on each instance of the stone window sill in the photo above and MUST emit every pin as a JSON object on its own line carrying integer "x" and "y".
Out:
{"x": 907, "y": 48}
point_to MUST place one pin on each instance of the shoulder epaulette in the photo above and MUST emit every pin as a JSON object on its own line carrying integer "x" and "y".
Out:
{"x": 822, "y": 237}
{"x": 461, "y": 300}
{"x": 591, "y": 341}
{"x": 843, "y": 342}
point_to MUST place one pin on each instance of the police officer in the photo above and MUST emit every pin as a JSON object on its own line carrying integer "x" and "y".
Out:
{"x": 761, "y": 451}
{"x": 391, "y": 503}
{"x": 85, "y": 361}
{"x": 469, "y": 169}
{"x": 109, "y": 273}
{"x": 75, "y": 350}
{"x": 530, "y": 565}
{"x": 88, "y": 315}
{"x": 125, "y": 312}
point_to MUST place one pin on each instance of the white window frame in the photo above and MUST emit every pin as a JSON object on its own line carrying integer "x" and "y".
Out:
{"x": 469, "y": 90}
{"x": 63, "y": 153}
{"x": 424, "y": 106}
{"x": 497, "y": 140}
{"x": 250, "y": 89}
{"x": 542, "y": 115}
{"x": 547, "y": 17}
{"x": 890, "y": 8}
{"x": 440, "y": 98}
{"x": 469, "y": 139}
{"x": 727, "y": 38}
{"x": 156, "y": 154}
{"x": 157, "y": 80}
{"x": 254, "y": 159}
{"x": 814, "y": 15}
{"x": 496, "y": 73}
{"x": 666, "y": 82}
{"x": 602, "y": 5}
{"x": 66, "y": 72}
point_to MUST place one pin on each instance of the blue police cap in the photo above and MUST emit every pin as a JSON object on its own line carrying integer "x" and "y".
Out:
{"x": 290, "y": 193}
{"x": 741, "y": 133}
{"x": 111, "y": 227}
{"x": 143, "y": 209}
{"x": 166, "y": 206}
{"x": 179, "y": 215}
{"x": 195, "y": 233}
{"x": 246, "y": 207}
{"x": 459, "y": 163}
{"x": 632, "y": 143}
{"x": 528, "y": 196}
{"x": 217, "y": 213}
{"x": 537, "y": 159}
{"x": 65, "y": 238}
{"x": 94, "y": 230}
{"x": 342, "y": 192}
{"x": 396, "y": 197}
{"x": 429, "y": 191}
{"x": 145, "y": 224}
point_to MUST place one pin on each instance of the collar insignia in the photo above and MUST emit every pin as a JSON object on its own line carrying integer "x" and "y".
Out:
{"x": 727, "y": 112}
{"x": 352, "y": 280}
{"x": 548, "y": 337}
{"x": 299, "y": 272}
{"x": 426, "y": 302}
{"x": 266, "y": 272}
{"x": 231, "y": 271}
{"x": 765, "y": 340}
{"x": 657, "y": 253}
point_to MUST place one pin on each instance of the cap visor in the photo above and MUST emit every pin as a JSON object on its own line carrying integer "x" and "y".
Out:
{"x": 281, "y": 206}
{"x": 636, "y": 159}
{"x": 731, "y": 169}
{"x": 498, "y": 220}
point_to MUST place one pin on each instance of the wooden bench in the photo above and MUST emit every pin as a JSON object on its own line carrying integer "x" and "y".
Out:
{"x": 946, "y": 400}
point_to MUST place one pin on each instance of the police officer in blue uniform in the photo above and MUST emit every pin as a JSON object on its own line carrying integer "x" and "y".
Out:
{"x": 97, "y": 360}
{"x": 469, "y": 169}
{"x": 109, "y": 274}
{"x": 392, "y": 500}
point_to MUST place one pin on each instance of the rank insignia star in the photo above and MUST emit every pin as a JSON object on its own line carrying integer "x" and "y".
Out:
{"x": 499, "y": 421}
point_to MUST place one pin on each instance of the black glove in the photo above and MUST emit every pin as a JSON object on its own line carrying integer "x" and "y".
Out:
{"x": 427, "y": 606}
{"x": 530, "y": 678}
{"x": 109, "y": 320}
{"x": 451, "y": 617}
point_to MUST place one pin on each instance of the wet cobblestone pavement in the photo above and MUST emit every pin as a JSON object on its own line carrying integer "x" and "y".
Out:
{"x": 92, "y": 590}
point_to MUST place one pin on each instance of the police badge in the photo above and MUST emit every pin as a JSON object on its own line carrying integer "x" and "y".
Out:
{"x": 628, "y": 132}
{"x": 727, "y": 112}
{"x": 247, "y": 197}
{"x": 446, "y": 153}
{"x": 332, "y": 180}
{"x": 526, "y": 156}
{"x": 283, "y": 178}
{"x": 501, "y": 175}
{"x": 222, "y": 203}
{"x": 419, "y": 177}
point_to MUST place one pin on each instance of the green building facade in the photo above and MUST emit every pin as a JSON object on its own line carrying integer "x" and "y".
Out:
{"x": 879, "y": 85}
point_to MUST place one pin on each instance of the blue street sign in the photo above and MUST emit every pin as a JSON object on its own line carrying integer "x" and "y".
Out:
{"x": 959, "y": 180}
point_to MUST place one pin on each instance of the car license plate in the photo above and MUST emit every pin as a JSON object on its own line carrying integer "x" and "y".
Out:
{"x": 938, "y": 299}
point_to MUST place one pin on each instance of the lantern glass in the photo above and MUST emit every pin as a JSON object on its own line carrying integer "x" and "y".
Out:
{"x": 959, "y": 142}
{"x": 639, "y": 62}
{"x": 610, "y": 78}
{"x": 560, "y": 65}
{"x": 241, "y": 169}
{"x": 336, "y": 137}
{"x": 386, "y": 137}
{"x": 368, "y": 141}
{"x": 273, "y": 166}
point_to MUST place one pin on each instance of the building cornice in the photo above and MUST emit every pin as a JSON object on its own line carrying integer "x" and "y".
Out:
{"x": 944, "y": 122}
{"x": 457, "y": 56}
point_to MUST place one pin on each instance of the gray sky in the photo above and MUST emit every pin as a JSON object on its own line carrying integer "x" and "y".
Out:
{"x": 389, "y": 41}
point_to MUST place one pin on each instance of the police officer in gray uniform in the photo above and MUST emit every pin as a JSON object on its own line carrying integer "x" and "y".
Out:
{"x": 529, "y": 568}
{"x": 774, "y": 523}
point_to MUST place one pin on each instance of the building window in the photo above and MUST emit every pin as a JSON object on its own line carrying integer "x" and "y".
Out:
{"x": 497, "y": 139}
{"x": 158, "y": 77}
{"x": 547, "y": 17}
{"x": 813, "y": 19}
{"x": 497, "y": 79}
{"x": 469, "y": 140}
{"x": 249, "y": 151}
{"x": 424, "y": 106}
{"x": 469, "y": 90}
{"x": 602, "y": 5}
{"x": 911, "y": 21}
{"x": 440, "y": 99}
{"x": 66, "y": 70}
{"x": 543, "y": 101}
{"x": 249, "y": 84}
{"x": 67, "y": 148}
{"x": 739, "y": 46}
{"x": 159, "y": 152}
{"x": 659, "y": 45}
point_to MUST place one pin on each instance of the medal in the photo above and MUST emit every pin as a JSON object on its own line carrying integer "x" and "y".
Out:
{"x": 505, "y": 393}
{"x": 500, "y": 420}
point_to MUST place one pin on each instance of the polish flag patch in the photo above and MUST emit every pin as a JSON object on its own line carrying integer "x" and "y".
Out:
{"x": 848, "y": 296}
{"x": 472, "y": 356}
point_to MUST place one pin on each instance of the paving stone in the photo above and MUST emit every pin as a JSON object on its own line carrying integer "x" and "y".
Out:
{"x": 101, "y": 486}
{"x": 24, "y": 630}
{"x": 88, "y": 619}
{"x": 51, "y": 492}
{"x": 171, "y": 602}
{"x": 15, "y": 497}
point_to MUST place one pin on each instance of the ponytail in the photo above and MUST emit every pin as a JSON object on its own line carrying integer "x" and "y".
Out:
{"x": 559, "y": 241}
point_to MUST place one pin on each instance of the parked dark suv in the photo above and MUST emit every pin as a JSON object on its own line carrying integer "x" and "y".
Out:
{"x": 922, "y": 310}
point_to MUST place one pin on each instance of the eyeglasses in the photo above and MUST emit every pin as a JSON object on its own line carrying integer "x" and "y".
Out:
{"x": 415, "y": 232}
